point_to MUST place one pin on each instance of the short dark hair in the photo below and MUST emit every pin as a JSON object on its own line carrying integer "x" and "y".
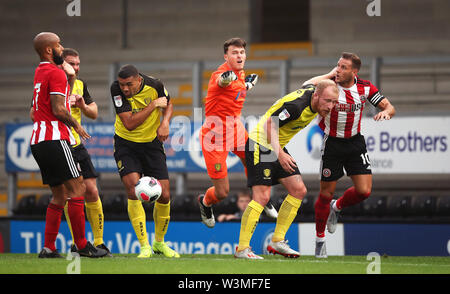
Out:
{"x": 127, "y": 71}
{"x": 356, "y": 61}
{"x": 70, "y": 52}
{"x": 238, "y": 42}
{"x": 244, "y": 192}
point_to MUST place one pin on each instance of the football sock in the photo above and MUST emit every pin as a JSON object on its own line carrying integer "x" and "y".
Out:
{"x": 286, "y": 215}
{"x": 136, "y": 213}
{"x": 161, "y": 217}
{"x": 249, "y": 221}
{"x": 210, "y": 197}
{"x": 350, "y": 197}
{"x": 52, "y": 222}
{"x": 66, "y": 213}
{"x": 75, "y": 209}
{"x": 322, "y": 210}
{"x": 94, "y": 212}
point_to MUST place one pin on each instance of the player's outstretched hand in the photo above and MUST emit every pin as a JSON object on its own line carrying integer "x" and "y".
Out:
{"x": 82, "y": 132}
{"x": 226, "y": 78}
{"x": 251, "y": 80}
{"x": 382, "y": 115}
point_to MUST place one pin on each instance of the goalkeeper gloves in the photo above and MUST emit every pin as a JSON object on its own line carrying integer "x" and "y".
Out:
{"x": 250, "y": 81}
{"x": 226, "y": 78}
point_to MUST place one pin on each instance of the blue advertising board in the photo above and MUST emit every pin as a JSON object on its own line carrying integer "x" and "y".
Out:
{"x": 182, "y": 147}
{"x": 119, "y": 236}
{"x": 18, "y": 155}
{"x": 398, "y": 239}
{"x": 196, "y": 238}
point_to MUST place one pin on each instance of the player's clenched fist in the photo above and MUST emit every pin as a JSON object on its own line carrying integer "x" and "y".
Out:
{"x": 160, "y": 102}
{"x": 250, "y": 81}
{"x": 226, "y": 78}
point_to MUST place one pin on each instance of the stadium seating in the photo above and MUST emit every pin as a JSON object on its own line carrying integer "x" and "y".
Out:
{"x": 42, "y": 204}
{"x": 374, "y": 206}
{"x": 26, "y": 205}
{"x": 443, "y": 207}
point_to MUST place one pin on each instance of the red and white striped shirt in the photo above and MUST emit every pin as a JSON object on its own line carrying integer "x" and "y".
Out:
{"x": 49, "y": 80}
{"x": 344, "y": 121}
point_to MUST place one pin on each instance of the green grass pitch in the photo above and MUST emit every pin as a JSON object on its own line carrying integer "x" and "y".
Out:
{"x": 221, "y": 264}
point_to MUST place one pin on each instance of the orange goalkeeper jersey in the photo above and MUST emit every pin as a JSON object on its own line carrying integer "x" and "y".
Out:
{"x": 227, "y": 101}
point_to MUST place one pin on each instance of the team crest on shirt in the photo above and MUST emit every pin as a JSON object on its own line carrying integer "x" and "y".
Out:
{"x": 118, "y": 101}
{"x": 218, "y": 167}
{"x": 363, "y": 98}
{"x": 266, "y": 173}
{"x": 284, "y": 115}
{"x": 326, "y": 172}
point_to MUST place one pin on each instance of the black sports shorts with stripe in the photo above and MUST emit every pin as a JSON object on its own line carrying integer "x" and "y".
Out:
{"x": 82, "y": 157}
{"x": 55, "y": 161}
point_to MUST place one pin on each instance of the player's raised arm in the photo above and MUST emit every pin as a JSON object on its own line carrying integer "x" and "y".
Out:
{"x": 315, "y": 80}
{"x": 70, "y": 72}
{"x": 90, "y": 110}
{"x": 226, "y": 78}
{"x": 250, "y": 81}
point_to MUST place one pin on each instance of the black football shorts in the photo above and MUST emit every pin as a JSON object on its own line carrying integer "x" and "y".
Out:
{"x": 339, "y": 154}
{"x": 82, "y": 157}
{"x": 263, "y": 167}
{"x": 55, "y": 161}
{"x": 147, "y": 159}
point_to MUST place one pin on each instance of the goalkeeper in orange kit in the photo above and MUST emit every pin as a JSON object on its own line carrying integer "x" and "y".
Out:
{"x": 223, "y": 130}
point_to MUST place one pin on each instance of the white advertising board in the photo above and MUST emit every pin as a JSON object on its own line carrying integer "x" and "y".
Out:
{"x": 412, "y": 145}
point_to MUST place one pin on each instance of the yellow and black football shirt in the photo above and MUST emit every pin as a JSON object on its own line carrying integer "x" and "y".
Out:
{"x": 293, "y": 112}
{"x": 79, "y": 88}
{"x": 151, "y": 89}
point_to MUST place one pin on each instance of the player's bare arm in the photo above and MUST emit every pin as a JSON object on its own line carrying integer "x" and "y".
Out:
{"x": 287, "y": 162}
{"x": 315, "y": 80}
{"x": 60, "y": 112}
{"x": 387, "y": 110}
{"x": 71, "y": 74}
{"x": 163, "y": 129}
{"x": 132, "y": 120}
{"x": 89, "y": 110}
